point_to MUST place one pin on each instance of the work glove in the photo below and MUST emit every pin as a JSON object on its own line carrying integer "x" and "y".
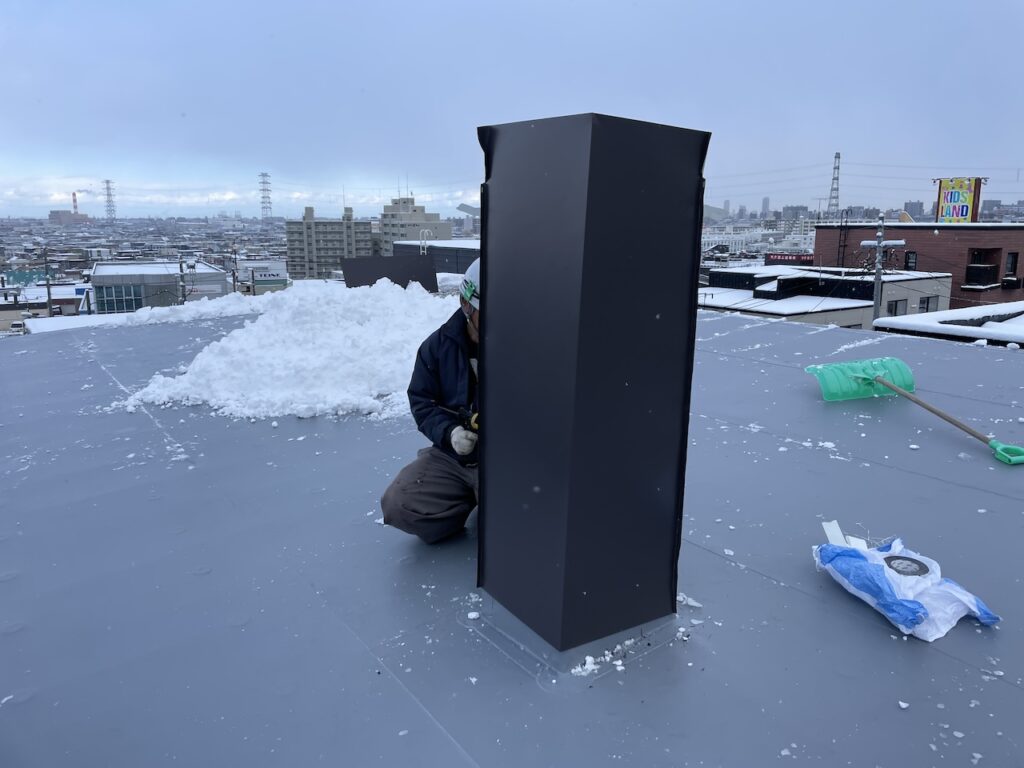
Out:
{"x": 463, "y": 441}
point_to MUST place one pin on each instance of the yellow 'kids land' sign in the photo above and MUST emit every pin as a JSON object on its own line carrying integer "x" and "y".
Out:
{"x": 958, "y": 200}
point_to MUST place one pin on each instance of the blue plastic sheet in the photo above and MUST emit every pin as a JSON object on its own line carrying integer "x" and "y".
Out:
{"x": 904, "y": 586}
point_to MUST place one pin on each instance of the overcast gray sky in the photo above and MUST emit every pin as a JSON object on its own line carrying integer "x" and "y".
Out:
{"x": 182, "y": 104}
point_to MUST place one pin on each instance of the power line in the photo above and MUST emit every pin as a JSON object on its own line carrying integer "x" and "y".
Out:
{"x": 775, "y": 170}
{"x": 734, "y": 185}
{"x": 939, "y": 165}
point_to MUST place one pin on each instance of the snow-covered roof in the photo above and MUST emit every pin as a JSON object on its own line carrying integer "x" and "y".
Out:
{"x": 470, "y": 244}
{"x": 35, "y": 294}
{"x": 103, "y": 268}
{"x": 744, "y": 301}
{"x": 180, "y": 586}
{"x": 994, "y": 322}
{"x": 831, "y": 273}
{"x": 925, "y": 225}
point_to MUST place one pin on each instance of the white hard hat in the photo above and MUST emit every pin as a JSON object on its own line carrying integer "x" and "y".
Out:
{"x": 470, "y": 290}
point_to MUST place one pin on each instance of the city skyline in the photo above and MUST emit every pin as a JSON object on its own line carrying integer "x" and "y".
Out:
{"x": 183, "y": 106}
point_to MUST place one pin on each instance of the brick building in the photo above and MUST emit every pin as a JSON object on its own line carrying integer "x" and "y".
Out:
{"x": 983, "y": 258}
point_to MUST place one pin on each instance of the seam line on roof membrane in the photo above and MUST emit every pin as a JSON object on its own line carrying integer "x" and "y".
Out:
{"x": 337, "y": 614}
{"x": 872, "y": 462}
{"x": 171, "y": 443}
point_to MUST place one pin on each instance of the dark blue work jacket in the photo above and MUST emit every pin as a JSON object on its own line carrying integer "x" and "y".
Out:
{"x": 443, "y": 379}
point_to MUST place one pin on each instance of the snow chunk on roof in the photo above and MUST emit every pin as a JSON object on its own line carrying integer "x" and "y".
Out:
{"x": 322, "y": 350}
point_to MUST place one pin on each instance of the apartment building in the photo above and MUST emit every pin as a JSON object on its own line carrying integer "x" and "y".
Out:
{"x": 404, "y": 220}
{"x": 317, "y": 246}
{"x": 984, "y": 258}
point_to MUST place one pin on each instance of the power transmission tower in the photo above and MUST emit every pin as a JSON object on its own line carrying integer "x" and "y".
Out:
{"x": 266, "y": 210}
{"x": 108, "y": 188}
{"x": 832, "y": 212}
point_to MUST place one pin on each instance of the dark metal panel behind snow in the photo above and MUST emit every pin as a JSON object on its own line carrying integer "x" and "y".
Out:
{"x": 586, "y": 384}
{"x": 399, "y": 269}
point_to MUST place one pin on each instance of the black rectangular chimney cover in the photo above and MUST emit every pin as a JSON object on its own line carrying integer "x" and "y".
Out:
{"x": 590, "y": 255}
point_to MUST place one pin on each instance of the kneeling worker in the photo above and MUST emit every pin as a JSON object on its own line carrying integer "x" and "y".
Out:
{"x": 434, "y": 495}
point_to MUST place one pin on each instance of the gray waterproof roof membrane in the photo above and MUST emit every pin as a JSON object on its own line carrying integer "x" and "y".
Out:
{"x": 179, "y": 587}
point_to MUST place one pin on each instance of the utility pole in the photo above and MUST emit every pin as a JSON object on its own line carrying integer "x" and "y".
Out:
{"x": 880, "y": 244}
{"x": 181, "y": 278}
{"x": 49, "y": 296}
{"x": 880, "y": 239}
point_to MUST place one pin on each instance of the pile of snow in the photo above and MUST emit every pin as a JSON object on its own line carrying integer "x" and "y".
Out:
{"x": 322, "y": 349}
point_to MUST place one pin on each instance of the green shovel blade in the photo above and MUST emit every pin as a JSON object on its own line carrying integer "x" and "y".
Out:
{"x": 856, "y": 379}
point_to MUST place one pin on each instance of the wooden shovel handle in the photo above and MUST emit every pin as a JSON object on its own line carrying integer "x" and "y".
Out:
{"x": 937, "y": 411}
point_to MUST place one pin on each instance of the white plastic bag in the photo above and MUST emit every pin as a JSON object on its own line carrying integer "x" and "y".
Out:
{"x": 904, "y": 586}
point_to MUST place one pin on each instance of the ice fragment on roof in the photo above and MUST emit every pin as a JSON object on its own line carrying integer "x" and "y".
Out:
{"x": 588, "y": 666}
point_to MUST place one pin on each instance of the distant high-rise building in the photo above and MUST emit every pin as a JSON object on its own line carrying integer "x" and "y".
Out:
{"x": 404, "y": 220}
{"x": 317, "y": 246}
{"x": 765, "y": 207}
{"x": 871, "y": 213}
{"x": 791, "y": 212}
{"x": 915, "y": 208}
{"x": 725, "y": 207}
{"x": 741, "y": 212}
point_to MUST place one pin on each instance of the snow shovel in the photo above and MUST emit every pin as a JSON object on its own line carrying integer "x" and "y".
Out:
{"x": 883, "y": 376}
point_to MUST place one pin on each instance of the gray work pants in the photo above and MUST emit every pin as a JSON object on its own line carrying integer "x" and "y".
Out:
{"x": 432, "y": 496}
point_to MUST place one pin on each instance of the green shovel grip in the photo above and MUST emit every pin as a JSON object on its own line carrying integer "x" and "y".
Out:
{"x": 1008, "y": 454}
